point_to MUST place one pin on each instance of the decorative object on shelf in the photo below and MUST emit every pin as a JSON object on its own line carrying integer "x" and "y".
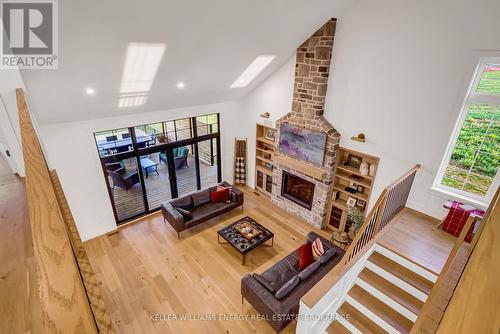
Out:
{"x": 373, "y": 169}
{"x": 360, "y": 137}
{"x": 351, "y": 202}
{"x": 360, "y": 188}
{"x": 352, "y": 188}
{"x": 270, "y": 134}
{"x": 356, "y": 218}
{"x": 240, "y": 161}
{"x": 302, "y": 143}
{"x": 361, "y": 205}
{"x": 265, "y": 115}
{"x": 364, "y": 168}
{"x": 162, "y": 138}
{"x": 353, "y": 161}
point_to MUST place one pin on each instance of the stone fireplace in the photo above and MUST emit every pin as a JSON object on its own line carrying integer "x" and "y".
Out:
{"x": 311, "y": 77}
{"x": 298, "y": 190}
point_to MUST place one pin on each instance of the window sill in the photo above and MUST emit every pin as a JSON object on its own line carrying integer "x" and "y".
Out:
{"x": 467, "y": 200}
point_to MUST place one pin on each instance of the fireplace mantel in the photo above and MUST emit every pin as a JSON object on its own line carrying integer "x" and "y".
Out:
{"x": 303, "y": 167}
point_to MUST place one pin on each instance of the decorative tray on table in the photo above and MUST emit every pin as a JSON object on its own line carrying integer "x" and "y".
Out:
{"x": 247, "y": 230}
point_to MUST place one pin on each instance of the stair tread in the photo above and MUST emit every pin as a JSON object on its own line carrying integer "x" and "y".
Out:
{"x": 359, "y": 320}
{"x": 337, "y": 328}
{"x": 381, "y": 309}
{"x": 401, "y": 272}
{"x": 392, "y": 291}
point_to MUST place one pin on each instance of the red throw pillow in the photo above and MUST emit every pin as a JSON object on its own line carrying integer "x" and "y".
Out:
{"x": 220, "y": 196}
{"x": 305, "y": 256}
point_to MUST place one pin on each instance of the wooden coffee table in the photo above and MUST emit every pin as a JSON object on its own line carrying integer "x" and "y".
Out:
{"x": 240, "y": 243}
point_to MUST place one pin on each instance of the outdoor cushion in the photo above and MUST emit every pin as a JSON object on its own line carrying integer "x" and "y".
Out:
{"x": 201, "y": 197}
{"x": 328, "y": 254}
{"x": 309, "y": 270}
{"x": 264, "y": 282}
{"x": 287, "y": 288}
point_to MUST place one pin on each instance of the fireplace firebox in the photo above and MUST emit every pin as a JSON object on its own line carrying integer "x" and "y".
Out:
{"x": 297, "y": 190}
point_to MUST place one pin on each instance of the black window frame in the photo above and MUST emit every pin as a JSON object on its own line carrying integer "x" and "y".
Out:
{"x": 168, "y": 147}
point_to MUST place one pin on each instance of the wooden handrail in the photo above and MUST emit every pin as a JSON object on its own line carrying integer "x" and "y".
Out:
{"x": 433, "y": 309}
{"x": 63, "y": 301}
{"x": 391, "y": 201}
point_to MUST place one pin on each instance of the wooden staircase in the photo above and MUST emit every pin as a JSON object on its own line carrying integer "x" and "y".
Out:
{"x": 387, "y": 296}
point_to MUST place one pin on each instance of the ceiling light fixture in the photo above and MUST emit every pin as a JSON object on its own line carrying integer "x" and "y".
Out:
{"x": 181, "y": 85}
{"x": 257, "y": 66}
{"x": 90, "y": 91}
{"x": 141, "y": 65}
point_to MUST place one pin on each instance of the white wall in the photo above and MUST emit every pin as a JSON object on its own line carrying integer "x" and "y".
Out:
{"x": 72, "y": 152}
{"x": 274, "y": 95}
{"x": 399, "y": 73}
{"x": 9, "y": 118}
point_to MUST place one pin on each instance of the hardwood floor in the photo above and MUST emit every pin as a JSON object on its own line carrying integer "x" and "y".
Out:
{"x": 17, "y": 270}
{"x": 146, "y": 271}
{"x": 416, "y": 237}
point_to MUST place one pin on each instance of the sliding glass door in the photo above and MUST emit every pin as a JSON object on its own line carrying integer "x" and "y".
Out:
{"x": 149, "y": 164}
{"x": 155, "y": 172}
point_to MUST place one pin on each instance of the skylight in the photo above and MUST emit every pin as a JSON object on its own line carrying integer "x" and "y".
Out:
{"x": 257, "y": 66}
{"x": 141, "y": 65}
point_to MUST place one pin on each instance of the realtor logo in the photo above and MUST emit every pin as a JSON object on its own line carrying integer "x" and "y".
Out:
{"x": 29, "y": 36}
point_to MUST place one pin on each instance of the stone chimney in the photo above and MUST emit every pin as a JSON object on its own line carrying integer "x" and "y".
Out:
{"x": 311, "y": 78}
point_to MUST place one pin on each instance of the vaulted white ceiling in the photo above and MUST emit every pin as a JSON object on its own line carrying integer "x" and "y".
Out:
{"x": 208, "y": 45}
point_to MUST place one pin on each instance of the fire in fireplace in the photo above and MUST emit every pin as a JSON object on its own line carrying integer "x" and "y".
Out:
{"x": 297, "y": 190}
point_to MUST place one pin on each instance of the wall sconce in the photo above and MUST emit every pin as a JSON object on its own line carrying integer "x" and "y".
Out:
{"x": 265, "y": 115}
{"x": 361, "y": 138}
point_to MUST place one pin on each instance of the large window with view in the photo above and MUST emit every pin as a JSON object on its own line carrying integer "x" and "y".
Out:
{"x": 469, "y": 169}
{"x": 148, "y": 164}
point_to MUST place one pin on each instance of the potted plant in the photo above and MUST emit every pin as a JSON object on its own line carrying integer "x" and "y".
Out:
{"x": 161, "y": 138}
{"x": 356, "y": 217}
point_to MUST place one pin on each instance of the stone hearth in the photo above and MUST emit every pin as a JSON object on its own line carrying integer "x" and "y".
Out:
{"x": 311, "y": 77}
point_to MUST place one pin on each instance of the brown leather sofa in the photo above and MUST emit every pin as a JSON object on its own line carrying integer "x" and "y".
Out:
{"x": 188, "y": 211}
{"x": 280, "y": 310}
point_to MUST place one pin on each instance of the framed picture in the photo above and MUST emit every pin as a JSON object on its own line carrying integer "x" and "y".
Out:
{"x": 335, "y": 195}
{"x": 351, "y": 202}
{"x": 302, "y": 143}
{"x": 353, "y": 161}
{"x": 360, "y": 188}
{"x": 270, "y": 134}
{"x": 360, "y": 204}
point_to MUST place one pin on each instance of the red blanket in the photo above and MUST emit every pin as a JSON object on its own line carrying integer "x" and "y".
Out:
{"x": 455, "y": 221}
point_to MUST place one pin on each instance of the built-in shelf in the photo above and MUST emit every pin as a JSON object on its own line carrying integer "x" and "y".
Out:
{"x": 353, "y": 171}
{"x": 357, "y": 195}
{"x": 264, "y": 165}
{"x": 264, "y": 159}
{"x": 264, "y": 170}
{"x": 265, "y": 140}
{"x": 348, "y": 175}
{"x": 340, "y": 203}
{"x": 264, "y": 150}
